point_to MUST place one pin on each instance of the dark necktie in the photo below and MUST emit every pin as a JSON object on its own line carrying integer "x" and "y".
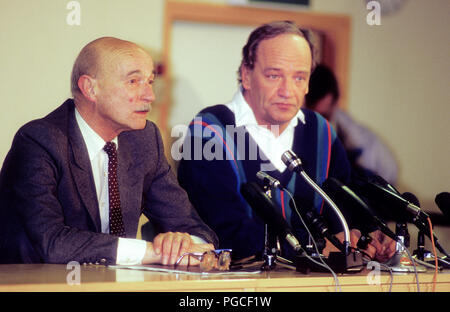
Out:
{"x": 116, "y": 226}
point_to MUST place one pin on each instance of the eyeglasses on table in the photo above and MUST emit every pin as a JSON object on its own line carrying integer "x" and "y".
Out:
{"x": 213, "y": 259}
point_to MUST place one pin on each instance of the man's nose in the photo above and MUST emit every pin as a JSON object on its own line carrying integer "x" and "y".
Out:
{"x": 286, "y": 88}
{"x": 147, "y": 94}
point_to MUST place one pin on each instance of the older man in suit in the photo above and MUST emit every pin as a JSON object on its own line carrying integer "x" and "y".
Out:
{"x": 65, "y": 197}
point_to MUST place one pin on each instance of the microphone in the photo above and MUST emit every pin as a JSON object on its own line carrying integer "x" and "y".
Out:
{"x": 442, "y": 200}
{"x": 319, "y": 224}
{"x": 411, "y": 198}
{"x": 268, "y": 180}
{"x": 295, "y": 164}
{"x": 420, "y": 251}
{"x": 312, "y": 217}
{"x": 292, "y": 161}
{"x": 380, "y": 181}
{"x": 345, "y": 194}
{"x": 397, "y": 201}
{"x": 268, "y": 212}
{"x": 419, "y": 217}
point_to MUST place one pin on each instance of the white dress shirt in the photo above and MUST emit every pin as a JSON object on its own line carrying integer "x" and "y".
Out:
{"x": 129, "y": 251}
{"x": 273, "y": 146}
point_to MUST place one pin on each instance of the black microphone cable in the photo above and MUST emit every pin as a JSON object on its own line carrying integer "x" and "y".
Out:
{"x": 274, "y": 183}
{"x": 323, "y": 264}
{"x": 413, "y": 199}
{"x": 293, "y": 162}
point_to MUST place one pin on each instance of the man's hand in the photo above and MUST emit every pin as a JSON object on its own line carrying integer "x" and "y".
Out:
{"x": 381, "y": 247}
{"x": 171, "y": 246}
{"x": 329, "y": 247}
{"x": 168, "y": 247}
{"x": 383, "y": 244}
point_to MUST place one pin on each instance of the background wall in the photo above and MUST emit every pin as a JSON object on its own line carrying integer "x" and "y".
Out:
{"x": 399, "y": 71}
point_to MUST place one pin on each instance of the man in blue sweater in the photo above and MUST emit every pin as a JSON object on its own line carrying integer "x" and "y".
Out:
{"x": 227, "y": 145}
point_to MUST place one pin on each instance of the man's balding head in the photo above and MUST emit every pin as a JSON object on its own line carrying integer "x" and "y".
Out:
{"x": 112, "y": 86}
{"x": 96, "y": 55}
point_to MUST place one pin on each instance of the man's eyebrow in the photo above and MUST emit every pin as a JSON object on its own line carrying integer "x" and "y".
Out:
{"x": 272, "y": 68}
{"x": 280, "y": 70}
{"x": 138, "y": 71}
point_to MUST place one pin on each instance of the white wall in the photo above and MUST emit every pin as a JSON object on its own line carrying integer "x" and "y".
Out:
{"x": 399, "y": 80}
{"x": 38, "y": 49}
{"x": 399, "y": 71}
{"x": 206, "y": 76}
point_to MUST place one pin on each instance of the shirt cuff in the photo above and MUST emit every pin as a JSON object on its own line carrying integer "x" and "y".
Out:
{"x": 130, "y": 251}
{"x": 198, "y": 240}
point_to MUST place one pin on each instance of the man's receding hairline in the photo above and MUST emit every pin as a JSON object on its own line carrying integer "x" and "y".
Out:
{"x": 111, "y": 47}
{"x": 95, "y": 56}
{"x": 108, "y": 52}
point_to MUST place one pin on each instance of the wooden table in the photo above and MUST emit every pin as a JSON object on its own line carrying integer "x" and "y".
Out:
{"x": 96, "y": 278}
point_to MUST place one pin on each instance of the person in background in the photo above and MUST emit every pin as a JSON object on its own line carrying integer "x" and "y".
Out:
{"x": 75, "y": 183}
{"x": 367, "y": 154}
{"x": 227, "y": 145}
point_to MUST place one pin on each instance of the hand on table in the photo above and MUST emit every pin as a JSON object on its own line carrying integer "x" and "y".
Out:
{"x": 166, "y": 248}
{"x": 380, "y": 248}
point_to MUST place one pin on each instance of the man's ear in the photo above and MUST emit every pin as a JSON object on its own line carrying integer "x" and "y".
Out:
{"x": 88, "y": 86}
{"x": 245, "y": 77}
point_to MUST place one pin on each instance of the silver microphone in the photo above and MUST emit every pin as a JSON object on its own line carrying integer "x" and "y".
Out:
{"x": 271, "y": 181}
{"x": 293, "y": 162}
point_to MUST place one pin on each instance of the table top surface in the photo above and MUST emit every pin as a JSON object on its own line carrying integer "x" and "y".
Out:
{"x": 59, "y": 277}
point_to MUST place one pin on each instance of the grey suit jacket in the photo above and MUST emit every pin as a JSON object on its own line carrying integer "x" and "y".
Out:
{"x": 48, "y": 203}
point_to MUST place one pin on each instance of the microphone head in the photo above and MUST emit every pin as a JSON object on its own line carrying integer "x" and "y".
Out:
{"x": 387, "y": 203}
{"x": 442, "y": 200}
{"x": 357, "y": 211}
{"x": 268, "y": 180}
{"x": 291, "y": 160}
{"x": 382, "y": 182}
{"x": 361, "y": 214}
{"x": 411, "y": 198}
{"x": 263, "y": 206}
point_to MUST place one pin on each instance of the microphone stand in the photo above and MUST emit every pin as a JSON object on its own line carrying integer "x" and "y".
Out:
{"x": 270, "y": 243}
{"x": 425, "y": 257}
{"x": 295, "y": 164}
{"x": 270, "y": 255}
{"x": 344, "y": 261}
{"x": 420, "y": 251}
{"x": 400, "y": 261}
{"x": 340, "y": 216}
{"x": 270, "y": 250}
{"x": 272, "y": 247}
